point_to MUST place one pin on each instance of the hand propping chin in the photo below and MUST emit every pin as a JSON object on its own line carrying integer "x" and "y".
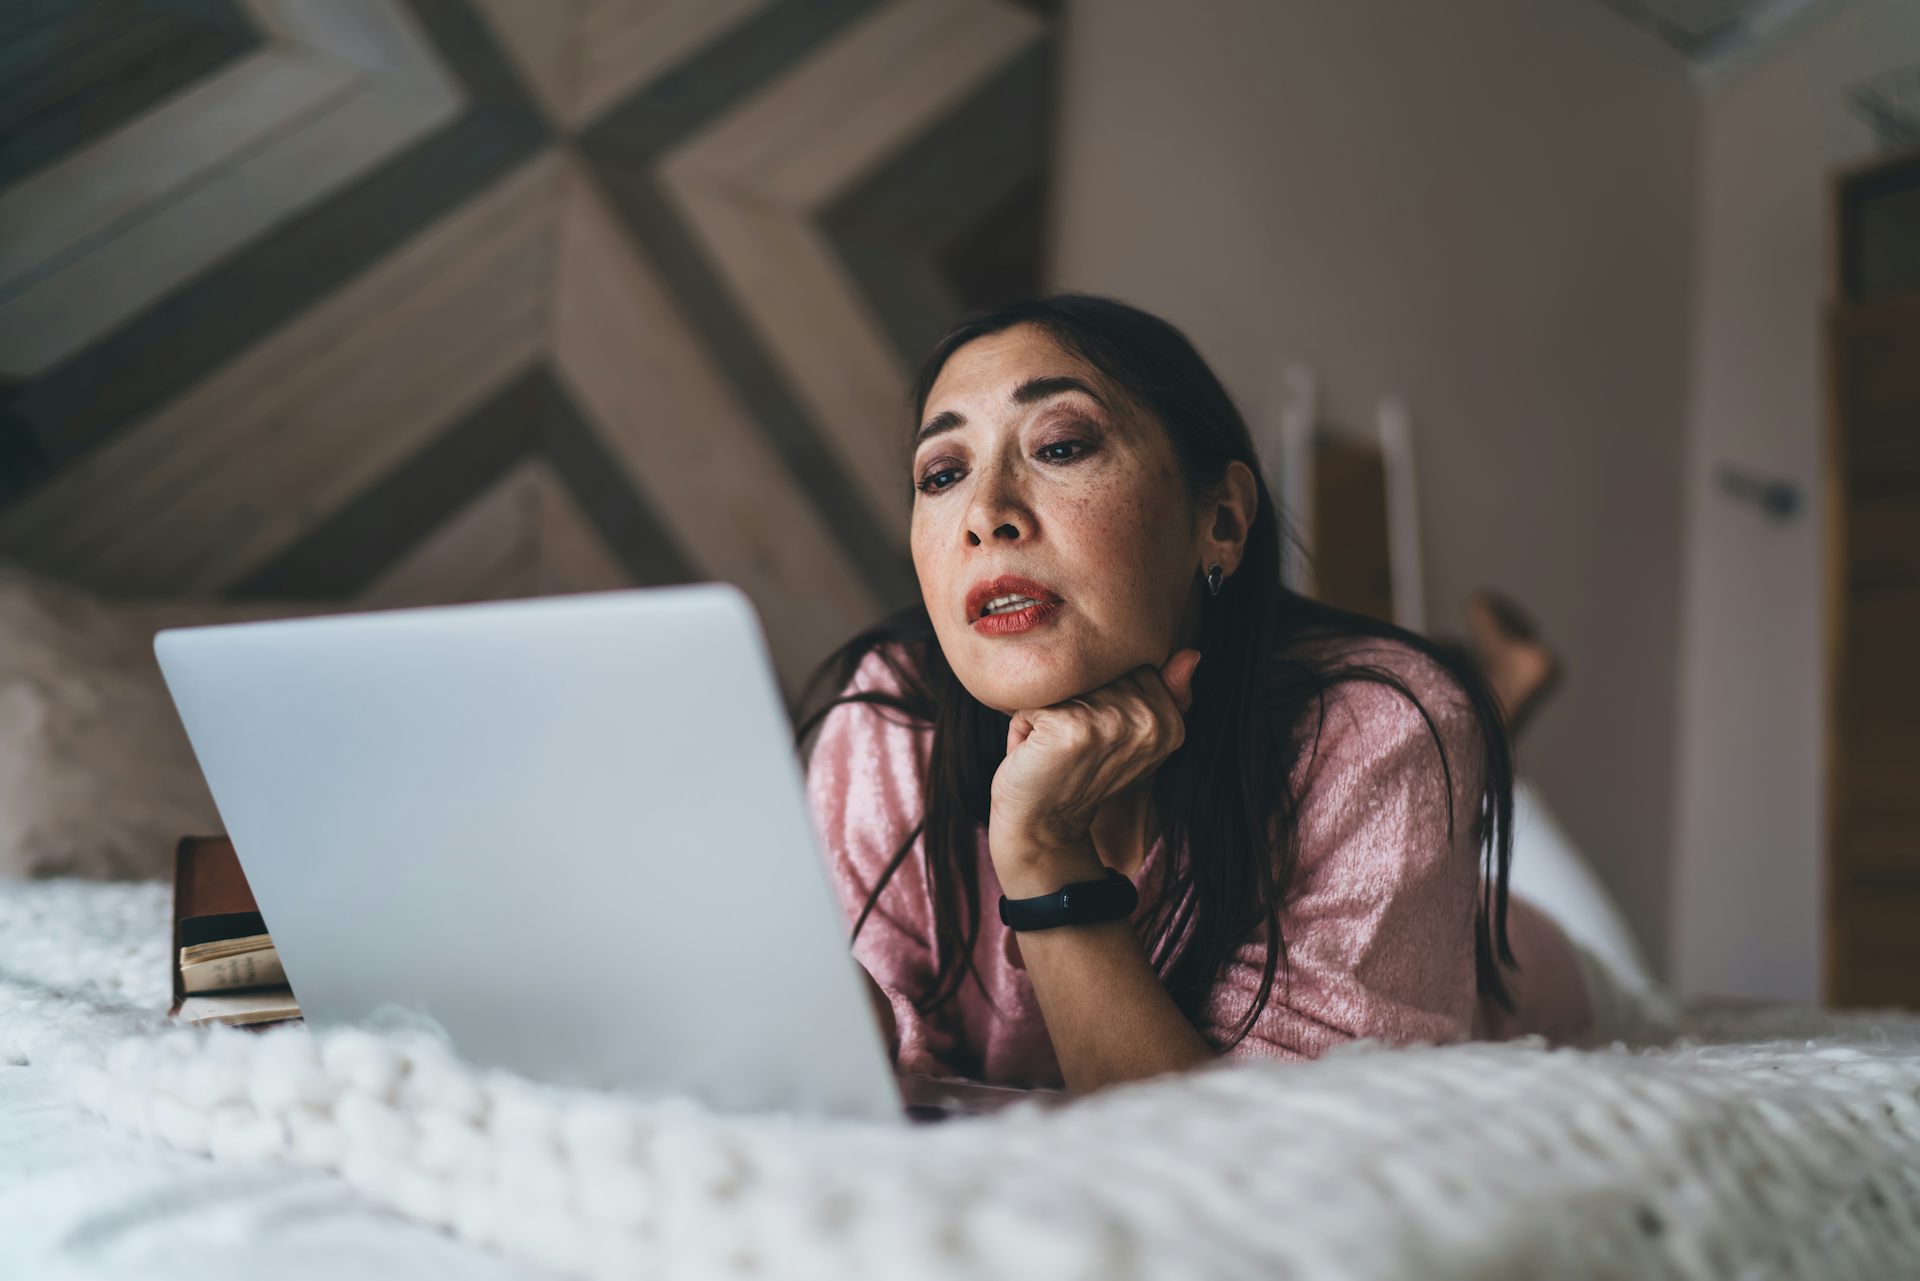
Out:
{"x": 1065, "y": 760}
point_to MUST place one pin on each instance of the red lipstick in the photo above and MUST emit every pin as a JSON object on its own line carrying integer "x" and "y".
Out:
{"x": 1044, "y": 604}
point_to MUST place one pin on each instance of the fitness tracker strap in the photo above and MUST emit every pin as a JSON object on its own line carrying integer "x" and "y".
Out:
{"x": 1082, "y": 903}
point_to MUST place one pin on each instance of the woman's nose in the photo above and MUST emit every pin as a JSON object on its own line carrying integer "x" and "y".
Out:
{"x": 998, "y": 511}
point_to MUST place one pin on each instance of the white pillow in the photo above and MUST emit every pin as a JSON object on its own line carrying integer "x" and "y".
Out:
{"x": 96, "y": 776}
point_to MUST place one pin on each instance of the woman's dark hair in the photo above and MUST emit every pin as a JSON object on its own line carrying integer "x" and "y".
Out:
{"x": 1229, "y": 826}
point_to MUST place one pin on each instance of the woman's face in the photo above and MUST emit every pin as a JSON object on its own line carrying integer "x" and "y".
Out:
{"x": 1030, "y": 465}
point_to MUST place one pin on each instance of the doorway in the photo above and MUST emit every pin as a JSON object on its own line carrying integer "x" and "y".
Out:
{"x": 1873, "y": 615}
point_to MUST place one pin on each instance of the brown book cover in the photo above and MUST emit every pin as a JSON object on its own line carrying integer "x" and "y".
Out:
{"x": 211, "y": 900}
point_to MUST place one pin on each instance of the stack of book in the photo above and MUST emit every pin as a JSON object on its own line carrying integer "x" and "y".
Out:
{"x": 231, "y": 973}
{"x": 225, "y": 968}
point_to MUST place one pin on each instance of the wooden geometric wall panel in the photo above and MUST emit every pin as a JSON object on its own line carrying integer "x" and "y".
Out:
{"x": 453, "y": 299}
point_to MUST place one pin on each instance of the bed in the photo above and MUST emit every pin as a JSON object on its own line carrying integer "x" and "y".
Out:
{"x": 1763, "y": 1142}
{"x": 1755, "y": 1142}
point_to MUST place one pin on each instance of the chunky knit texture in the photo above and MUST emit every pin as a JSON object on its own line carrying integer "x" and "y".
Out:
{"x": 1779, "y": 1142}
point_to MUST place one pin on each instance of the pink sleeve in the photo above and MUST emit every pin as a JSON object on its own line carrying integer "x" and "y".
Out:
{"x": 1379, "y": 929}
{"x": 864, "y": 790}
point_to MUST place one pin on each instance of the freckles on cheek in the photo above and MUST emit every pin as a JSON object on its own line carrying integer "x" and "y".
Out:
{"x": 1112, "y": 526}
{"x": 1126, "y": 531}
{"x": 923, "y": 541}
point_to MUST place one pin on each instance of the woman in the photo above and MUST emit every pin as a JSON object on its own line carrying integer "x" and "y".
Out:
{"x": 1107, "y": 676}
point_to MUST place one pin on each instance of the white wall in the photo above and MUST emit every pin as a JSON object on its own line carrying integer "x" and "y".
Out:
{"x": 1751, "y": 826}
{"x": 1485, "y": 206}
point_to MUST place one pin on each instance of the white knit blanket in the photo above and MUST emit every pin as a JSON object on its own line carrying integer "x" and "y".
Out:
{"x": 1783, "y": 1143}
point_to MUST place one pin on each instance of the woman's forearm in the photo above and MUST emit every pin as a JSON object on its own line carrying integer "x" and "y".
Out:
{"x": 1107, "y": 1013}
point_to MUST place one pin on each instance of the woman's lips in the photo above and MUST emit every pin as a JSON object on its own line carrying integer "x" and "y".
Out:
{"x": 988, "y": 590}
{"x": 1015, "y": 621}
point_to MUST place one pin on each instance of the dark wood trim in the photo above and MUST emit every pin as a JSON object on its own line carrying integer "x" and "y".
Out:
{"x": 1855, "y": 895}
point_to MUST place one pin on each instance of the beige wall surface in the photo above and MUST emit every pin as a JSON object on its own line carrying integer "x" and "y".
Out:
{"x": 1751, "y": 826}
{"x": 1486, "y": 207}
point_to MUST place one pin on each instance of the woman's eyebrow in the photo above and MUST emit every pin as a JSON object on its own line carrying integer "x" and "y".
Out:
{"x": 1033, "y": 389}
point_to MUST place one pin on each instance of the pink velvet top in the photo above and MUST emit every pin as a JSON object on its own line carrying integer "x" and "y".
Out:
{"x": 1379, "y": 929}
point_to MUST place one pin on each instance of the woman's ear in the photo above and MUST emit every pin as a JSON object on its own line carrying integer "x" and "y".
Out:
{"x": 1230, "y": 517}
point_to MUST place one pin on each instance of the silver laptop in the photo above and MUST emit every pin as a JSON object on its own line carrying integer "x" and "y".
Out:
{"x": 571, "y": 832}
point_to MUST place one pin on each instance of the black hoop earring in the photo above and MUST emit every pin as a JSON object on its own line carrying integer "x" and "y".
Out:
{"x": 1213, "y": 579}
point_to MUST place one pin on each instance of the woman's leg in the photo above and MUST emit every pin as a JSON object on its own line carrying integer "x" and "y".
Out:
{"x": 1550, "y": 871}
{"x": 1565, "y": 993}
{"x": 1507, "y": 647}
{"x": 1547, "y": 983}
{"x": 1559, "y": 909}
{"x": 1547, "y": 868}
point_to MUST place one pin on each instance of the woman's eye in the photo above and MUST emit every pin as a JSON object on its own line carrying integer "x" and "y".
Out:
{"x": 932, "y": 483}
{"x": 1057, "y": 451}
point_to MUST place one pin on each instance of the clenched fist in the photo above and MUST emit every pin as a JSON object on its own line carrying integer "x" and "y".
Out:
{"x": 1065, "y": 760}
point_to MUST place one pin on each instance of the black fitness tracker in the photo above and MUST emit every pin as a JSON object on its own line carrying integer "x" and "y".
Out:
{"x": 1082, "y": 903}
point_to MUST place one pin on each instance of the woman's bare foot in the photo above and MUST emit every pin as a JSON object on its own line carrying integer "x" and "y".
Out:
{"x": 1517, "y": 664}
